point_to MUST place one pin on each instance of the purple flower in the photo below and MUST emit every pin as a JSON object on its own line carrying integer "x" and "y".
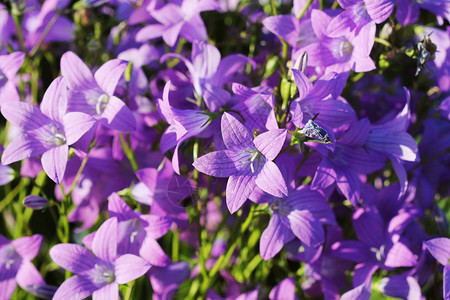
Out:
{"x": 299, "y": 215}
{"x": 94, "y": 95}
{"x": 349, "y": 51}
{"x": 35, "y": 202}
{"x": 165, "y": 281}
{"x": 9, "y": 65}
{"x": 440, "y": 249}
{"x": 178, "y": 19}
{"x": 98, "y": 275}
{"x": 47, "y": 131}
{"x": 246, "y": 161}
{"x": 15, "y": 264}
{"x": 209, "y": 73}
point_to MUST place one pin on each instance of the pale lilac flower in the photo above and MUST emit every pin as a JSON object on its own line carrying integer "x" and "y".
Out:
{"x": 47, "y": 131}
{"x": 98, "y": 275}
{"x": 15, "y": 264}
{"x": 247, "y": 161}
{"x": 94, "y": 94}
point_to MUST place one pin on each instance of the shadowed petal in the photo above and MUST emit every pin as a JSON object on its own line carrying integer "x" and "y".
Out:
{"x": 108, "y": 75}
{"x": 118, "y": 116}
{"x": 73, "y": 257}
{"x": 274, "y": 237}
{"x": 363, "y": 273}
{"x": 306, "y": 227}
{"x": 170, "y": 34}
{"x": 75, "y": 288}
{"x": 270, "y": 142}
{"x": 239, "y": 187}
{"x": 271, "y": 181}
{"x": 379, "y": 10}
{"x": 235, "y": 135}
{"x": 54, "y": 162}
{"x": 76, "y": 73}
{"x": 361, "y": 292}
{"x": 110, "y": 292}
{"x": 128, "y": 267}
{"x": 302, "y": 82}
{"x": 205, "y": 59}
{"x": 28, "y": 246}
{"x": 400, "y": 286}
{"x": 229, "y": 66}
{"x": 104, "y": 244}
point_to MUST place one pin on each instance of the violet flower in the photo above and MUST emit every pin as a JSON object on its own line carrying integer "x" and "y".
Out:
{"x": 94, "y": 95}
{"x": 15, "y": 264}
{"x": 9, "y": 65}
{"x": 178, "y": 19}
{"x": 246, "y": 161}
{"x": 349, "y": 51}
{"x": 284, "y": 290}
{"x": 98, "y": 275}
{"x": 47, "y": 131}
{"x": 209, "y": 72}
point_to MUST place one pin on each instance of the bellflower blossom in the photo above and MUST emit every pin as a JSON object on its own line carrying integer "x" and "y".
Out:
{"x": 209, "y": 73}
{"x": 349, "y": 51}
{"x": 47, "y": 131}
{"x": 178, "y": 19}
{"x": 94, "y": 95}
{"x": 98, "y": 275}
{"x": 15, "y": 264}
{"x": 246, "y": 161}
{"x": 440, "y": 249}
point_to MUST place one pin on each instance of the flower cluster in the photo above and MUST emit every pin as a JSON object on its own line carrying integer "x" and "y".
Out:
{"x": 225, "y": 149}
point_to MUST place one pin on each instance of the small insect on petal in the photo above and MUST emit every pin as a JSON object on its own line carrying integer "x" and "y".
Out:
{"x": 315, "y": 132}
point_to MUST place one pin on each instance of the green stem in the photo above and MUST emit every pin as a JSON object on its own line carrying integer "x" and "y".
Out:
{"x": 274, "y": 9}
{"x": 77, "y": 176}
{"x": 305, "y": 8}
{"x": 383, "y": 42}
{"x": 11, "y": 195}
{"x": 128, "y": 152}
{"x": 175, "y": 245}
{"x": 17, "y": 14}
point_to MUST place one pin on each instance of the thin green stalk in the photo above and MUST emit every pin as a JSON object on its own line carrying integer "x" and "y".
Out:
{"x": 274, "y": 9}
{"x": 11, "y": 195}
{"x": 44, "y": 34}
{"x": 128, "y": 152}
{"x": 77, "y": 176}
{"x": 383, "y": 42}
{"x": 175, "y": 245}
{"x": 305, "y": 8}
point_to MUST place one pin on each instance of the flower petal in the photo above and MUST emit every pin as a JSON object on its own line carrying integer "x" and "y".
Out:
{"x": 76, "y": 124}
{"x": 28, "y": 275}
{"x": 235, "y": 135}
{"x": 118, "y": 116}
{"x": 440, "y": 249}
{"x": 307, "y": 228}
{"x": 76, "y": 73}
{"x": 54, "y": 162}
{"x": 108, "y": 75}
{"x": 128, "y": 267}
{"x": 28, "y": 246}
{"x": 73, "y": 257}
{"x": 271, "y": 181}
{"x": 270, "y": 142}
{"x": 274, "y": 237}
{"x": 109, "y": 291}
{"x": 24, "y": 115}
{"x": 76, "y": 288}
{"x": 239, "y": 188}
{"x": 222, "y": 163}
{"x": 104, "y": 244}
{"x": 152, "y": 252}
{"x": 54, "y": 102}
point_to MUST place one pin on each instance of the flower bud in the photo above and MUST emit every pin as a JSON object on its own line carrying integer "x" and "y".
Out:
{"x": 35, "y": 202}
